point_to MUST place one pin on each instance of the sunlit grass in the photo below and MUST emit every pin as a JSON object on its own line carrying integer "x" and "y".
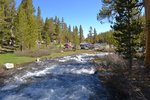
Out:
{"x": 13, "y": 58}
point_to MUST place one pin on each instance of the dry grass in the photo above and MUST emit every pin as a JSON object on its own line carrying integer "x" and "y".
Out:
{"x": 37, "y": 53}
{"x": 124, "y": 83}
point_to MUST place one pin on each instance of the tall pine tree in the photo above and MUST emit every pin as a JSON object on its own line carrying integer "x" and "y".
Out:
{"x": 64, "y": 31}
{"x": 69, "y": 34}
{"x": 90, "y": 35}
{"x": 58, "y": 30}
{"x": 7, "y": 15}
{"x": 31, "y": 28}
{"x": 127, "y": 28}
{"x": 52, "y": 30}
{"x": 39, "y": 25}
{"x": 46, "y": 32}
{"x": 81, "y": 37}
{"x": 95, "y": 36}
{"x": 75, "y": 36}
{"x": 21, "y": 27}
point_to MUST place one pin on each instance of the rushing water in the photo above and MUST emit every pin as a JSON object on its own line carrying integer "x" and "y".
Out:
{"x": 67, "y": 78}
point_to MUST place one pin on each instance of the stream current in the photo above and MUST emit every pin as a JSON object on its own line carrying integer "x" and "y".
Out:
{"x": 67, "y": 78}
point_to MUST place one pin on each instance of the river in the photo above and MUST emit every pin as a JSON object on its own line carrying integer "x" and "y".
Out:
{"x": 66, "y": 78}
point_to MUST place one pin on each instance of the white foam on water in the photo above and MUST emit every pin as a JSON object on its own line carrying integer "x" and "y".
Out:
{"x": 9, "y": 87}
{"x": 103, "y": 54}
{"x": 77, "y": 58}
{"x": 83, "y": 57}
{"x": 84, "y": 71}
{"x": 39, "y": 73}
{"x": 64, "y": 59}
{"x": 16, "y": 80}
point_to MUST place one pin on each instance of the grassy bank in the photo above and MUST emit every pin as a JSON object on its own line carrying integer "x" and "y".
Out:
{"x": 12, "y": 58}
{"x": 16, "y": 59}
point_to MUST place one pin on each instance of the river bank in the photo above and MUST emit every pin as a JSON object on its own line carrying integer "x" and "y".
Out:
{"x": 23, "y": 62}
{"x": 23, "y": 58}
{"x": 122, "y": 82}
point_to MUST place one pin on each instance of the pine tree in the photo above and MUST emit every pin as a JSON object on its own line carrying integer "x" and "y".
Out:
{"x": 107, "y": 37}
{"x": 95, "y": 36}
{"x": 39, "y": 25}
{"x": 75, "y": 36}
{"x": 81, "y": 37}
{"x": 127, "y": 27}
{"x": 58, "y": 30}
{"x": 56, "y": 19}
{"x": 69, "y": 34}
{"x": 127, "y": 24}
{"x": 46, "y": 32}
{"x": 21, "y": 26}
{"x": 2, "y": 21}
{"x": 64, "y": 31}
{"x": 52, "y": 30}
{"x": 90, "y": 35}
{"x": 7, "y": 15}
{"x": 31, "y": 24}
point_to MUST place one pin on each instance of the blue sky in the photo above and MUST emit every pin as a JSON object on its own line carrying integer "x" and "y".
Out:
{"x": 74, "y": 12}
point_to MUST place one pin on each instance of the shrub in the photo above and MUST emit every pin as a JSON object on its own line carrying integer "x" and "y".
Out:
{"x": 37, "y": 52}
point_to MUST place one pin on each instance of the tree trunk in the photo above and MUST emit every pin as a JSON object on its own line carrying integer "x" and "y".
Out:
{"x": 147, "y": 16}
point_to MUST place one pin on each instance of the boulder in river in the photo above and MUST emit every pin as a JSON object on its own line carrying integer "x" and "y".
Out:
{"x": 37, "y": 60}
{"x": 9, "y": 65}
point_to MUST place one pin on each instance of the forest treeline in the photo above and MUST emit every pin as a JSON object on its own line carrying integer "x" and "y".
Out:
{"x": 22, "y": 27}
{"x": 25, "y": 29}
